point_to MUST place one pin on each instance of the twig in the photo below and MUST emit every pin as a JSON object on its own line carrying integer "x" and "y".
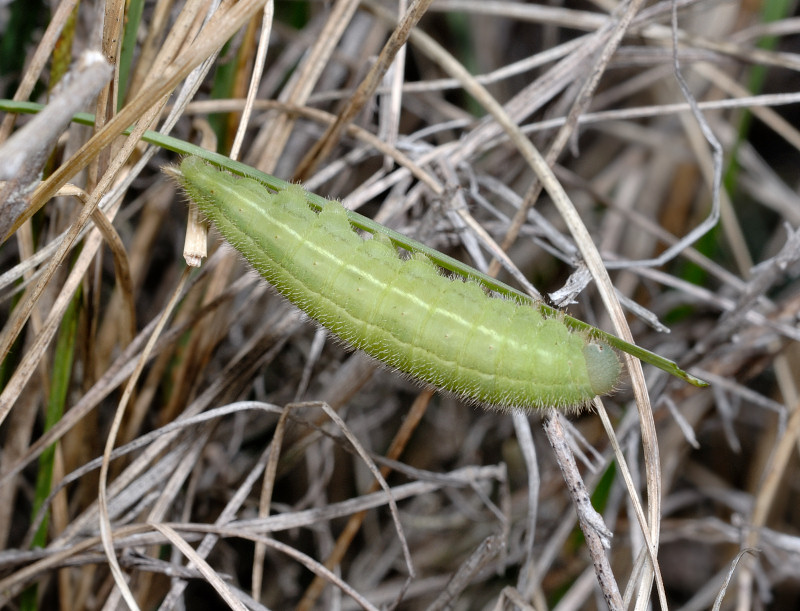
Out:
{"x": 598, "y": 537}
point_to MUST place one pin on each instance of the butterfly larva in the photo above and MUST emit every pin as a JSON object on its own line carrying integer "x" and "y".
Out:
{"x": 442, "y": 331}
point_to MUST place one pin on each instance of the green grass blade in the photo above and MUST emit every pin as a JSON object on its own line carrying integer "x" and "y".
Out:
{"x": 185, "y": 148}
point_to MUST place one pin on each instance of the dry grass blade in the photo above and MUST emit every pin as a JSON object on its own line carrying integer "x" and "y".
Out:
{"x": 365, "y": 90}
{"x": 105, "y": 521}
{"x": 208, "y": 572}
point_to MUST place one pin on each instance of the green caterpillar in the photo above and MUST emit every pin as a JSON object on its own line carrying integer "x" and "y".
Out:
{"x": 442, "y": 331}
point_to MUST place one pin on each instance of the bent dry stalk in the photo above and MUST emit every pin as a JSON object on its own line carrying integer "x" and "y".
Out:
{"x": 404, "y": 312}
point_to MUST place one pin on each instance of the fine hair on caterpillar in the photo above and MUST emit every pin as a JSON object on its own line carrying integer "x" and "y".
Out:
{"x": 440, "y": 330}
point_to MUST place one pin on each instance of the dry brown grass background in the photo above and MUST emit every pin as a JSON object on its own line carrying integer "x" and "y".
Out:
{"x": 247, "y": 443}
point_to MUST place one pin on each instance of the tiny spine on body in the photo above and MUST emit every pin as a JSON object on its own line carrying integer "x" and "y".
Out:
{"x": 404, "y": 312}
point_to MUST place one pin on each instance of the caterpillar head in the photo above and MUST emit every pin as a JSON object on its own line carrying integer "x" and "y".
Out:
{"x": 602, "y": 365}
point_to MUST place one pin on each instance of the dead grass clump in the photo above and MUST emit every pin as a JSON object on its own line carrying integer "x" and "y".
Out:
{"x": 183, "y": 438}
